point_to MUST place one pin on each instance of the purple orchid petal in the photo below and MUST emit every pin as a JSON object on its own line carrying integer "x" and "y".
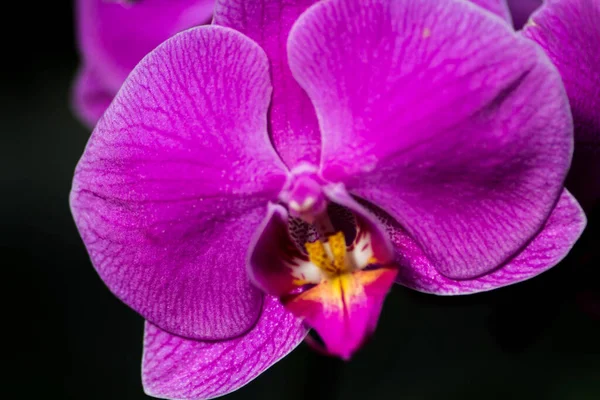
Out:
{"x": 442, "y": 116}
{"x": 561, "y": 231}
{"x": 114, "y": 36}
{"x": 175, "y": 179}
{"x": 498, "y": 7}
{"x": 292, "y": 121}
{"x": 521, "y": 10}
{"x": 90, "y": 98}
{"x": 569, "y": 32}
{"x": 178, "y": 368}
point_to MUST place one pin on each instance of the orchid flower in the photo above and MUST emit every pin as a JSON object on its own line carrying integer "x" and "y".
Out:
{"x": 569, "y": 32}
{"x": 113, "y": 36}
{"x": 281, "y": 169}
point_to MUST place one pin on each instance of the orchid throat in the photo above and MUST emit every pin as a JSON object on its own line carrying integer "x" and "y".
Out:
{"x": 327, "y": 259}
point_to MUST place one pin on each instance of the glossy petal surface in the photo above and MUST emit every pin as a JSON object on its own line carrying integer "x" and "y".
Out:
{"x": 344, "y": 310}
{"x": 439, "y": 114}
{"x": 569, "y": 32}
{"x": 292, "y": 121}
{"x": 178, "y": 368}
{"x": 563, "y": 228}
{"x": 175, "y": 179}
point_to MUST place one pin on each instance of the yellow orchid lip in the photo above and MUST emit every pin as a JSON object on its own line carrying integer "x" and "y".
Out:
{"x": 345, "y": 298}
{"x": 343, "y": 309}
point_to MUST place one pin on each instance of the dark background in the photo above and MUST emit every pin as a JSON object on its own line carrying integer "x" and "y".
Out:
{"x": 69, "y": 338}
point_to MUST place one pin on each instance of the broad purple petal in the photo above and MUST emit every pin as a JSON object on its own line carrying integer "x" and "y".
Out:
{"x": 178, "y": 368}
{"x": 498, "y": 7}
{"x": 176, "y": 178}
{"x": 292, "y": 121}
{"x": 90, "y": 96}
{"x": 442, "y": 116}
{"x": 561, "y": 231}
{"x": 569, "y": 32}
{"x": 521, "y": 10}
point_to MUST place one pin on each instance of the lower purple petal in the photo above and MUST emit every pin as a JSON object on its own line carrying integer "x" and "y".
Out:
{"x": 550, "y": 246}
{"x": 178, "y": 368}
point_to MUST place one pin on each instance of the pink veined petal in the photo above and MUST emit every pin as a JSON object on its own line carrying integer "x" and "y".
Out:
{"x": 114, "y": 36}
{"x": 178, "y": 368}
{"x": 548, "y": 248}
{"x": 293, "y": 124}
{"x": 498, "y": 7}
{"x": 569, "y": 32}
{"x": 521, "y": 10}
{"x": 90, "y": 97}
{"x": 440, "y": 115}
{"x": 175, "y": 179}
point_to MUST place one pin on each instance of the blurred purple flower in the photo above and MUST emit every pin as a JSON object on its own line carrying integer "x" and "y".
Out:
{"x": 113, "y": 36}
{"x": 283, "y": 168}
{"x": 569, "y": 32}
